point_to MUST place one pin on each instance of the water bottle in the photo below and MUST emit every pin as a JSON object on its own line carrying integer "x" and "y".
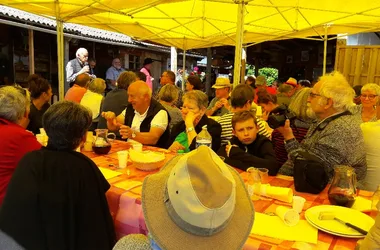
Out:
{"x": 204, "y": 138}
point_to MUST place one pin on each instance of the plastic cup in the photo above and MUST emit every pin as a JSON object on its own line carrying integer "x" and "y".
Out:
{"x": 123, "y": 158}
{"x": 137, "y": 147}
{"x": 259, "y": 111}
{"x": 264, "y": 175}
{"x": 90, "y": 136}
{"x": 289, "y": 216}
{"x": 298, "y": 203}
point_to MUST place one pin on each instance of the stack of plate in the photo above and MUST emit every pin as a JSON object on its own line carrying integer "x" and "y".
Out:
{"x": 335, "y": 227}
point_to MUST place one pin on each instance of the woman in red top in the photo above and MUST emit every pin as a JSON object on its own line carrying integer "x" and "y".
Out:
{"x": 15, "y": 140}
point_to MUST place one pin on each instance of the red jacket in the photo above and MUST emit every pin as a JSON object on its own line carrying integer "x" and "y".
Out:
{"x": 15, "y": 142}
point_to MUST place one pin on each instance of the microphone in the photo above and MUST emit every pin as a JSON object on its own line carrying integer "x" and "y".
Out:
{"x": 85, "y": 63}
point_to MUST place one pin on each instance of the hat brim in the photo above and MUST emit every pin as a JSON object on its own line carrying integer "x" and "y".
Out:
{"x": 169, "y": 236}
{"x": 221, "y": 87}
{"x": 291, "y": 83}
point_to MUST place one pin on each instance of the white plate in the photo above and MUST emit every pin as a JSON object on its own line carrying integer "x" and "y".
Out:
{"x": 335, "y": 227}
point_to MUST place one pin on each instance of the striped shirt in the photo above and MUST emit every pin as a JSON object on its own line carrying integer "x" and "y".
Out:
{"x": 226, "y": 122}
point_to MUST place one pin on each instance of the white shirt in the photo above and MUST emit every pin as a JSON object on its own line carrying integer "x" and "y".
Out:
{"x": 92, "y": 101}
{"x": 160, "y": 120}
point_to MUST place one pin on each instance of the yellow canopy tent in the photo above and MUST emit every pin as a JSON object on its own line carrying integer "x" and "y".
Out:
{"x": 189, "y": 24}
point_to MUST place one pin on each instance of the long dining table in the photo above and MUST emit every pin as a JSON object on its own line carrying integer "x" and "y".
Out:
{"x": 124, "y": 199}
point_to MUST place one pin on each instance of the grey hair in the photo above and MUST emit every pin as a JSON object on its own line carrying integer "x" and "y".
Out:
{"x": 97, "y": 85}
{"x": 66, "y": 124}
{"x": 13, "y": 103}
{"x": 80, "y": 51}
{"x": 336, "y": 87}
{"x": 198, "y": 96}
{"x": 298, "y": 105}
{"x": 371, "y": 87}
{"x": 168, "y": 93}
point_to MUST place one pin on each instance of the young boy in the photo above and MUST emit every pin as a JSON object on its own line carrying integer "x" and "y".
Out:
{"x": 247, "y": 148}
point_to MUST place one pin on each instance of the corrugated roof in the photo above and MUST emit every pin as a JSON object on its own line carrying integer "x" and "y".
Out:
{"x": 85, "y": 31}
{"x": 70, "y": 27}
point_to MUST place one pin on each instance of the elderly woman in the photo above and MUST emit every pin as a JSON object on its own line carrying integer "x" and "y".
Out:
{"x": 183, "y": 135}
{"x": 15, "y": 140}
{"x": 168, "y": 97}
{"x": 93, "y": 99}
{"x": 369, "y": 99}
{"x": 193, "y": 83}
{"x": 40, "y": 93}
{"x": 300, "y": 125}
{"x": 56, "y": 198}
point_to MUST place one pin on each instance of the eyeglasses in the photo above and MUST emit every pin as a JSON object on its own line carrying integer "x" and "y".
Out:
{"x": 313, "y": 95}
{"x": 370, "y": 97}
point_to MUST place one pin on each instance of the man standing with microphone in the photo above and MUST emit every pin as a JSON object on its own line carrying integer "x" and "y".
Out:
{"x": 77, "y": 66}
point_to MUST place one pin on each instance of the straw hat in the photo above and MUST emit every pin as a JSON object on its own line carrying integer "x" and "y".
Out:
{"x": 261, "y": 81}
{"x": 222, "y": 82}
{"x": 197, "y": 202}
{"x": 133, "y": 242}
{"x": 292, "y": 81}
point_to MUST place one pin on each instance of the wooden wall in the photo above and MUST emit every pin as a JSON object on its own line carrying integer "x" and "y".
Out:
{"x": 359, "y": 64}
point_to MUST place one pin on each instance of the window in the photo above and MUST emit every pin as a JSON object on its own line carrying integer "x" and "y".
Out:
{"x": 134, "y": 62}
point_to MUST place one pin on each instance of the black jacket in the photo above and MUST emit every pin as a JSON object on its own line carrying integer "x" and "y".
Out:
{"x": 57, "y": 200}
{"x": 258, "y": 154}
{"x": 115, "y": 101}
{"x": 154, "y": 108}
{"x": 213, "y": 128}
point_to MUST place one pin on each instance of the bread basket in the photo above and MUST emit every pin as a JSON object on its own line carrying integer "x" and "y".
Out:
{"x": 147, "y": 160}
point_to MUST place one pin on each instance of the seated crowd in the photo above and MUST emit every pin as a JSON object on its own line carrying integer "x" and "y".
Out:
{"x": 54, "y": 198}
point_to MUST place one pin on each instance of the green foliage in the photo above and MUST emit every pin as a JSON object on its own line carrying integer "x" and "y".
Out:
{"x": 270, "y": 73}
{"x": 250, "y": 70}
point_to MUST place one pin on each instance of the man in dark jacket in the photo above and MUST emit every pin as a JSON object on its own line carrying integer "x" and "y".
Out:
{"x": 144, "y": 120}
{"x": 247, "y": 148}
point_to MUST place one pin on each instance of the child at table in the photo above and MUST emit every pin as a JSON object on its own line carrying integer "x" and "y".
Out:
{"x": 247, "y": 148}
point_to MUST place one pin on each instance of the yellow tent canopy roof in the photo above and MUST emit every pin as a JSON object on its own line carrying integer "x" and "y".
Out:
{"x": 191, "y": 24}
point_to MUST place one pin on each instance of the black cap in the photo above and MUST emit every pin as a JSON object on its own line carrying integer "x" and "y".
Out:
{"x": 148, "y": 61}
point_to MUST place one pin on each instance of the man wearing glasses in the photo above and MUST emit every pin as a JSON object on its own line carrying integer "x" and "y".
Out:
{"x": 336, "y": 137}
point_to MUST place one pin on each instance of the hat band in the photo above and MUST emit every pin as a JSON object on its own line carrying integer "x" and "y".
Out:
{"x": 185, "y": 226}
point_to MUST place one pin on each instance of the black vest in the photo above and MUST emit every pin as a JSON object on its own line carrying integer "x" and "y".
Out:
{"x": 154, "y": 108}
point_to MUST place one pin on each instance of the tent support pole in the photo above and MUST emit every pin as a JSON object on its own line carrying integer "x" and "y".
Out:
{"x": 60, "y": 53}
{"x": 324, "y": 51}
{"x": 183, "y": 70}
{"x": 239, "y": 42}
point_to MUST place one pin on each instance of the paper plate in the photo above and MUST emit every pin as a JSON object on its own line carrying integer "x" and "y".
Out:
{"x": 335, "y": 227}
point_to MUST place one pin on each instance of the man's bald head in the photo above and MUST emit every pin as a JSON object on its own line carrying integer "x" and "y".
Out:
{"x": 139, "y": 95}
{"x": 140, "y": 87}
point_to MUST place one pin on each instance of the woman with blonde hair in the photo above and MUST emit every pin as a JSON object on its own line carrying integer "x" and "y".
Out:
{"x": 93, "y": 99}
{"x": 369, "y": 99}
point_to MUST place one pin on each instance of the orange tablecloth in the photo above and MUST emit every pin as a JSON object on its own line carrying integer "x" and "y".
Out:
{"x": 125, "y": 205}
